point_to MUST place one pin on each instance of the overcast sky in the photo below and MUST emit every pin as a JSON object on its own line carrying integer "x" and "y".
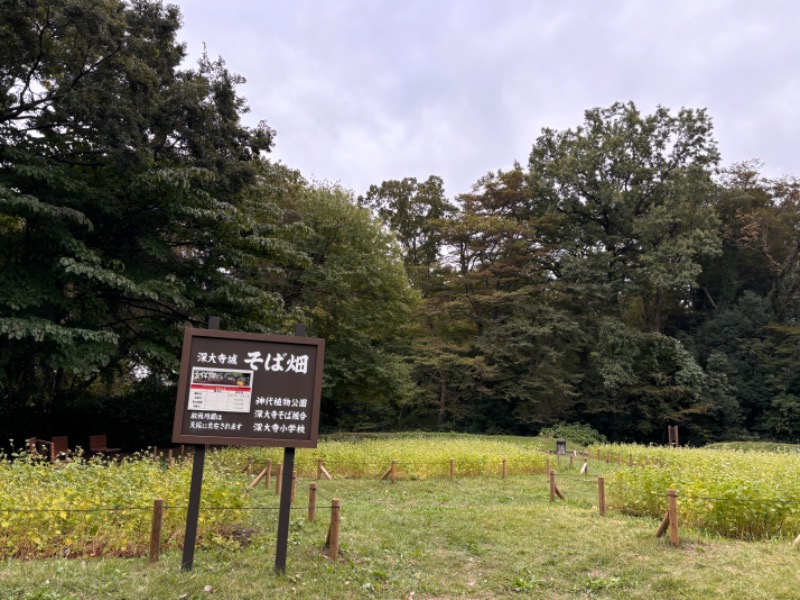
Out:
{"x": 361, "y": 91}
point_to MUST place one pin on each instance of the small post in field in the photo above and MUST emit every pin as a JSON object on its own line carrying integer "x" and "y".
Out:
{"x": 571, "y": 460}
{"x": 670, "y": 520}
{"x": 278, "y": 471}
{"x": 672, "y": 508}
{"x": 170, "y": 458}
{"x": 259, "y": 477}
{"x": 321, "y": 471}
{"x": 155, "y": 530}
{"x": 585, "y": 467}
{"x": 312, "y": 502}
{"x": 394, "y": 471}
{"x": 332, "y": 540}
{"x": 504, "y": 468}
{"x": 249, "y": 468}
{"x": 268, "y": 476}
{"x": 601, "y": 495}
{"x": 452, "y": 469}
{"x": 554, "y": 491}
{"x": 547, "y": 465}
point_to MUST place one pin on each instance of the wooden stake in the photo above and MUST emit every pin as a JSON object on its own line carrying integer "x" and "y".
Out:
{"x": 258, "y": 478}
{"x": 394, "y": 471}
{"x": 585, "y": 467}
{"x": 601, "y": 495}
{"x": 326, "y": 474}
{"x": 662, "y": 527}
{"x": 332, "y": 541}
{"x": 268, "y": 476}
{"x": 552, "y": 486}
{"x": 452, "y": 469}
{"x": 170, "y": 458}
{"x": 312, "y": 502}
{"x": 319, "y": 468}
{"x": 278, "y": 469}
{"x": 571, "y": 461}
{"x": 155, "y": 530}
{"x": 672, "y": 509}
{"x": 504, "y": 468}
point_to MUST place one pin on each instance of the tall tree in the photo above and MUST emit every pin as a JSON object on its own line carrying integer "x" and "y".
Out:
{"x": 628, "y": 200}
{"x": 632, "y": 195}
{"x": 354, "y": 292}
{"x": 124, "y": 183}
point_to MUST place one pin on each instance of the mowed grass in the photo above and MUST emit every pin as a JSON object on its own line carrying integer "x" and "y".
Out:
{"x": 471, "y": 537}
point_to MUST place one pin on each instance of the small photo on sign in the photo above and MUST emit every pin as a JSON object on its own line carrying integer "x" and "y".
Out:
{"x": 224, "y": 390}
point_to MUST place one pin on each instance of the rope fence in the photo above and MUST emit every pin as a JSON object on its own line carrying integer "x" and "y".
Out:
{"x": 557, "y": 480}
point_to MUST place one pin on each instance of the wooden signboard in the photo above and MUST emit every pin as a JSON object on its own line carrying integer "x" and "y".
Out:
{"x": 248, "y": 389}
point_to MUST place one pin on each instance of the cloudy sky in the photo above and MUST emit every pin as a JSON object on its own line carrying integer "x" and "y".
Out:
{"x": 361, "y": 91}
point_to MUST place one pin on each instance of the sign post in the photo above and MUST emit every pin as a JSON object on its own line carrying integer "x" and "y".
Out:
{"x": 247, "y": 389}
{"x": 195, "y": 490}
{"x": 285, "y": 508}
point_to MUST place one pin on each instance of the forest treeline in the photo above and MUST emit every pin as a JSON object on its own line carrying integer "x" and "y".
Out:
{"x": 622, "y": 277}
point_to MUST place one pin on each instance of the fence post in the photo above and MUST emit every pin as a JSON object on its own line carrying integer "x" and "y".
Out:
{"x": 571, "y": 461}
{"x": 312, "y": 502}
{"x": 268, "y": 476}
{"x": 258, "y": 478}
{"x": 552, "y": 486}
{"x": 504, "y": 468}
{"x": 394, "y": 471}
{"x": 170, "y": 458}
{"x": 585, "y": 467}
{"x": 452, "y": 468}
{"x": 319, "y": 469}
{"x": 332, "y": 540}
{"x": 278, "y": 472}
{"x": 155, "y": 530}
{"x": 601, "y": 495}
{"x": 672, "y": 509}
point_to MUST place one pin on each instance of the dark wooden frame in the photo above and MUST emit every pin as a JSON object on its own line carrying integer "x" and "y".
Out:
{"x": 181, "y": 410}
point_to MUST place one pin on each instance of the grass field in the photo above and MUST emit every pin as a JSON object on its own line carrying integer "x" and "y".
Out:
{"x": 477, "y": 536}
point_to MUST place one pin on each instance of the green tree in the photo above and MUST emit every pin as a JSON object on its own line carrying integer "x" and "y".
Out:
{"x": 625, "y": 203}
{"x": 631, "y": 199}
{"x": 354, "y": 292}
{"x": 125, "y": 186}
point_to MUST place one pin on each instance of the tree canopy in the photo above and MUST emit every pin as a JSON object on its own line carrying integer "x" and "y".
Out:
{"x": 621, "y": 278}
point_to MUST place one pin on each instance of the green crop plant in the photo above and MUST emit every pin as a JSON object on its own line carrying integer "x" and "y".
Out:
{"x": 744, "y": 495}
{"x": 91, "y": 507}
